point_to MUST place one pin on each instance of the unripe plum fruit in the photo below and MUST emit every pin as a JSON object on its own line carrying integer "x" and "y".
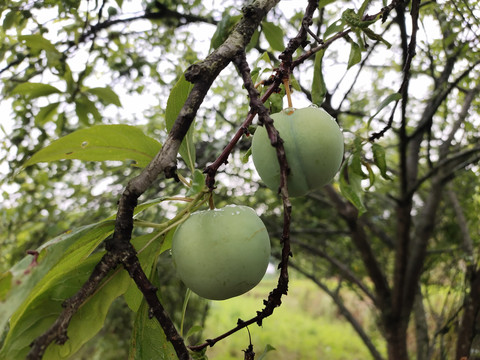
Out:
{"x": 221, "y": 253}
{"x": 313, "y": 145}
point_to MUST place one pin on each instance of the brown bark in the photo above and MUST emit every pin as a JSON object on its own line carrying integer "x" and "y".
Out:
{"x": 471, "y": 313}
{"x": 396, "y": 342}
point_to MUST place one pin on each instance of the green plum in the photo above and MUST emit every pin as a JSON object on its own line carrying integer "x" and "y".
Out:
{"x": 313, "y": 144}
{"x": 221, "y": 253}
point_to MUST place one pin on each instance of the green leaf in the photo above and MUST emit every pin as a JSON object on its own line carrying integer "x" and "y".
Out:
{"x": 333, "y": 28}
{"x": 83, "y": 107}
{"x": 351, "y": 188}
{"x": 46, "y": 114}
{"x": 355, "y": 54}
{"x": 34, "y": 90}
{"x": 89, "y": 319}
{"x": 68, "y": 77}
{"x": 106, "y": 95}
{"x": 267, "y": 349}
{"x": 198, "y": 183}
{"x": 224, "y": 27}
{"x": 38, "y": 289}
{"x": 101, "y": 143}
{"x": 275, "y": 102}
{"x": 356, "y": 166}
{"x": 319, "y": 89}
{"x": 379, "y": 159}
{"x": 45, "y": 306}
{"x": 274, "y": 35}
{"x": 38, "y": 42}
{"x": 73, "y": 244}
{"x": 372, "y": 35}
{"x": 148, "y": 340}
{"x": 5, "y": 284}
{"x": 193, "y": 330}
{"x": 371, "y": 175}
{"x": 9, "y": 20}
{"x": 247, "y": 155}
{"x": 323, "y": 3}
{"x": 362, "y": 9}
{"x": 253, "y": 41}
{"x": 175, "y": 102}
{"x": 390, "y": 98}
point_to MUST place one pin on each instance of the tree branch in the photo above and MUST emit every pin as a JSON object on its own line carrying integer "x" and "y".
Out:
{"x": 348, "y": 212}
{"x": 343, "y": 269}
{"x": 162, "y": 13}
{"x": 119, "y": 247}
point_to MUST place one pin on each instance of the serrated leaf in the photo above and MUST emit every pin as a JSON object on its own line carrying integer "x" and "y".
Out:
{"x": 319, "y": 89}
{"x": 175, "y": 102}
{"x": 106, "y": 95}
{"x": 390, "y": 98}
{"x": 274, "y": 35}
{"x": 46, "y": 114}
{"x": 34, "y": 90}
{"x": 380, "y": 160}
{"x": 351, "y": 188}
{"x": 101, "y": 143}
{"x": 355, "y": 54}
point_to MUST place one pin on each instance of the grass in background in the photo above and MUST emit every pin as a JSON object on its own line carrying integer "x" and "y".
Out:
{"x": 306, "y": 326}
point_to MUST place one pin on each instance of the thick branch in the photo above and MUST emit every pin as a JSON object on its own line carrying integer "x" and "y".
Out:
{"x": 406, "y": 170}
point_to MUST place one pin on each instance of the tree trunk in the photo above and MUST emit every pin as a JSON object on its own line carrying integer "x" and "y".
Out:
{"x": 471, "y": 313}
{"x": 421, "y": 327}
{"x": 396, "y": 341}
